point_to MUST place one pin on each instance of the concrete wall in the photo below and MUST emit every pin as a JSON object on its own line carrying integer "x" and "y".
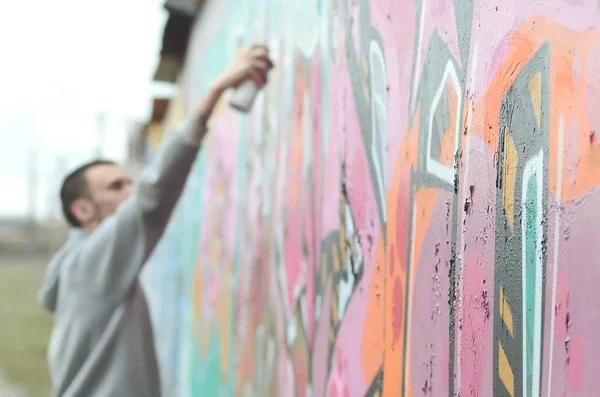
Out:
{"x": 410, "y": 210}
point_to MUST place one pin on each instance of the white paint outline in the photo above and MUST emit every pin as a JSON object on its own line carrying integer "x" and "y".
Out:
{"x": 270, "y": 359}
{"x": 307, "y": 44}
{"x": 324, "y": 30}
{"x": 378, "y": 106}
{"x": 418, "y": 59}
{"x": 345, "y": 291}
{"x": 559, "y": 170}
{"x": 335, "y": 21}
{"x": 433, "y": 166}
{"x": 282, "y": 281}
{"x": 535, "y": 165}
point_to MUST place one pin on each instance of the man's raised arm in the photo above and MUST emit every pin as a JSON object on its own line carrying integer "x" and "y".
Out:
{"x": 116, "y": 251}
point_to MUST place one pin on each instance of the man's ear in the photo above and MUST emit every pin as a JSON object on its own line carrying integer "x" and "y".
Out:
{"x": 83, "y": 210}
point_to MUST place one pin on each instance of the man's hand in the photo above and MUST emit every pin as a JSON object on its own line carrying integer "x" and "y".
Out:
{"x": 251, "y": 63}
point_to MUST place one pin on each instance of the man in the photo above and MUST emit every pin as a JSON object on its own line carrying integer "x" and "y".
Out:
{"x": 102, "y": 343}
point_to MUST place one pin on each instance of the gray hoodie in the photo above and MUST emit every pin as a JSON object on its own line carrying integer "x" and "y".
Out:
{"x": 102, "y": 343}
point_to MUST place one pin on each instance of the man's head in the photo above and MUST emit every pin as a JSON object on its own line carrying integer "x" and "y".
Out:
{"x": 94, "y": 191}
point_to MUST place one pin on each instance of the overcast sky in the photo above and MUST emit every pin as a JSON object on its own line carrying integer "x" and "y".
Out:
{"x": 62, "y": 63}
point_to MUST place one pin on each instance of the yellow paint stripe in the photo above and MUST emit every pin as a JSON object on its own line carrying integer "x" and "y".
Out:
{"x": 366, "y": 93}
{"x": 334, "y": 309}
{"x": 535, "y": 90}
{"x": 336, "y": 260}
{"x": 324, "y": 268}
{"x": 342, "y": 234}
{"x": 505, "y": 312}
{"x": 511, "y": 161}
{"x": 505, "y": 372}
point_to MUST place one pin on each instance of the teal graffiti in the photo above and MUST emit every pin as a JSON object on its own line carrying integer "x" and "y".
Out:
{"x": 530, "y": 276}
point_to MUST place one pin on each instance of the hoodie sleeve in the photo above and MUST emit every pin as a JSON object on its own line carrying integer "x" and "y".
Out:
{"x": 112, "y": 257}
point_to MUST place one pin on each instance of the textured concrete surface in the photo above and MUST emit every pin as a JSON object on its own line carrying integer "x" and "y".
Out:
{"x": 411, "y": 208}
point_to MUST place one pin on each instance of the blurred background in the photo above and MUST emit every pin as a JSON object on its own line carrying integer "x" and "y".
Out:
{"x": 75, "y": 83}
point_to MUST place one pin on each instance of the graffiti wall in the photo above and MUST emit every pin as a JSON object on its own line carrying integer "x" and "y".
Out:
{"x": 411, "y": 208}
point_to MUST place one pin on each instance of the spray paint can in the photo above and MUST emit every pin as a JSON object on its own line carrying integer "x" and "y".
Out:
{"x": 244, "y": 95}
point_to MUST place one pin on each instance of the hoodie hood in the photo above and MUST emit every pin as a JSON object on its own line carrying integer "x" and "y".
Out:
{"x": 48, "y": 294}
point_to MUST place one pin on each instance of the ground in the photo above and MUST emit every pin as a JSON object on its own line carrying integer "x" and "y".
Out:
{"x": 24, "y": 329}
{"x": 8, "y": 389}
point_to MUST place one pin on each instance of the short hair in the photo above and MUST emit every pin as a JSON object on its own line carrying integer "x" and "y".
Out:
{"x": 75, "y": 186}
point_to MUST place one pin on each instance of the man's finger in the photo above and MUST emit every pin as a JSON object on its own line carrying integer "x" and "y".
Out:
{"x": 259, "y": 46}
{"x": 264, "y": 59}
{"x": 259, "y": 51}
{"x": 262, "y": 64}
{"x": 258, "y": 77}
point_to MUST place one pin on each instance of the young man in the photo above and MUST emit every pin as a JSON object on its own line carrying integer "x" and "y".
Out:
{"x": 102, "y": 343}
